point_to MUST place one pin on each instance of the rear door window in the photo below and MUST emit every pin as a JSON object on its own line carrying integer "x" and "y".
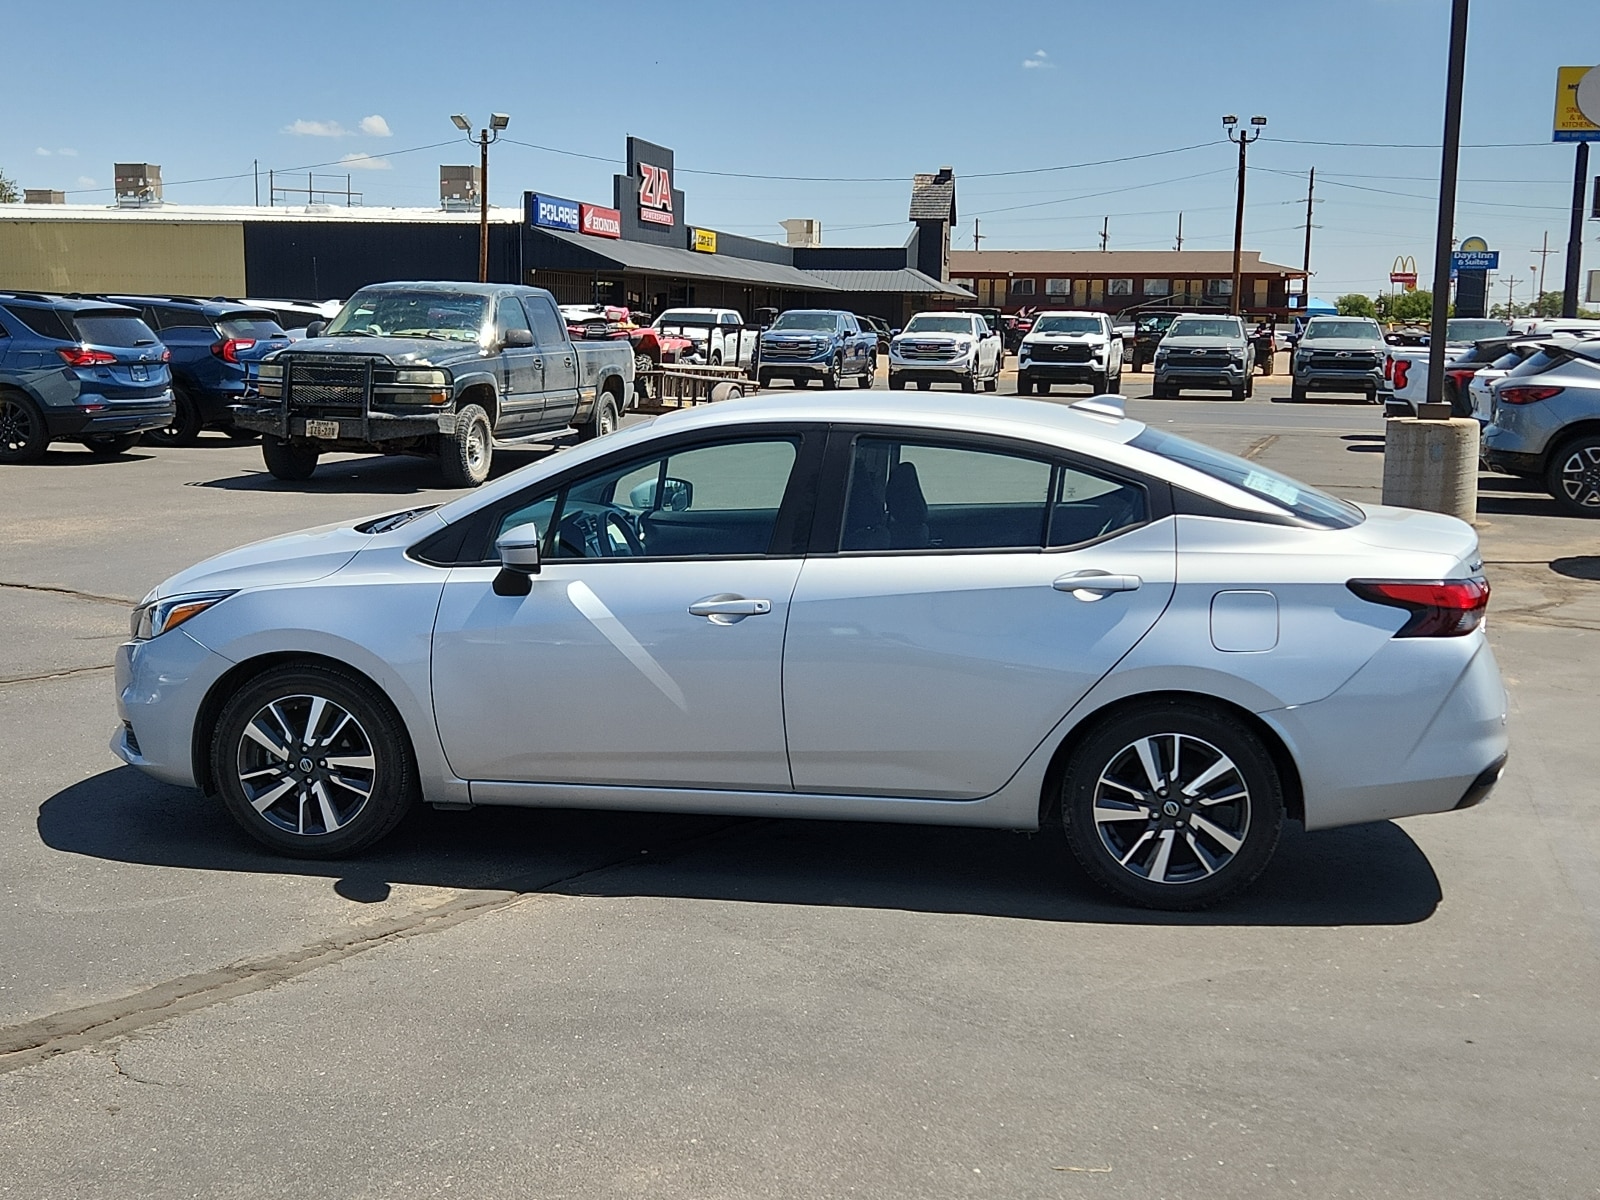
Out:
{"x": 548, "y": 329}
{"x": 111, "y": 329}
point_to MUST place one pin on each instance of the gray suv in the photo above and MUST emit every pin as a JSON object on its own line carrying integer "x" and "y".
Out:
{"x": 1340, "y": 354}
{"x": 1545, "y": 423}
{"x": 1204, "y": 352}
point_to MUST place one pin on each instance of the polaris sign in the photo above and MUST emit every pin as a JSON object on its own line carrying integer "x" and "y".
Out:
{"x": 552, "y": 212}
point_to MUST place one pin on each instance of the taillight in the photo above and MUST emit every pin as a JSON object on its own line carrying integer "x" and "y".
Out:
{"x": 1527, "y": 394}
{"x": 166, "y": 355}
{"x": 1440, "y": 608}
{"x": 228, "y": 348}
{"x": 1461, "y": 378}
{"x": 80, "y": 356}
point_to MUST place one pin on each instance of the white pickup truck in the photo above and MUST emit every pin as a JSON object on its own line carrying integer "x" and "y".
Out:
{"x": 720, "y": 335}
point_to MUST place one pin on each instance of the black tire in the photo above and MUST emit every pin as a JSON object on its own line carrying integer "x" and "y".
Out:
{"x": 235, "y": 434}
{"x": 924, "y": 385}
{"x": 1024, "y": 385}
{"x": 1217, "y": 841}
{"x": 111, "y": 445}
{"x": 23, "y": 435}
{"x": 830, "y": 378}
{"x": 764, "y": 380}
{"x": 1573, "y": 476}
{"x": 466, "y": 455}
{"x": 289, "y": 461}
{"x": 184, "y": 428}
{"x": 1100, "y": 383}
{"x": 969, "y": 384}
{"x": 1238, "y": 392}
{"x": 1044, "y": 386}
{"x": 896, "y": 384}
{"x": 868, "y": 377}
{"x": 643, "y": 364}
{"x": 1115, "y": 386}
{"x": 1296, "y": 392}
{"x": 363, "y": 803}
{"x": 716, "y": 358}
{"x": 1249, "y": 385}
{"x": 1138, "y": 364}
{"x": 603, "y": 420}
{"x": 801, "y": 381}
{"x": 992, "y": 384}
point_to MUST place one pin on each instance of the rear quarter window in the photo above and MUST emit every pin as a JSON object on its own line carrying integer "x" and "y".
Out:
{"x": 258, "y": 326}
{"x": 45, "y": 322}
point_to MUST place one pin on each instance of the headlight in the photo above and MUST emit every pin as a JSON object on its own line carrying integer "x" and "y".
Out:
{"x": 153, "y": 619}
{"x": 963, "y": 345}
{"x": 1238, "y": 356}
{"x": 270, "y": 370}
{"x": 1024, "y": 350}
{"x": 422, "y": 378}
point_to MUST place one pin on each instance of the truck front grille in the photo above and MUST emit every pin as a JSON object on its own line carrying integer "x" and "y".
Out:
{"x": 1343, "y": 360}
{"x": 324, "y": 383}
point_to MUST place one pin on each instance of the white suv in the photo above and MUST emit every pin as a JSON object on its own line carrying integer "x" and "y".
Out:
{"x": 1070, "y": 347}
{"x": 945, "y": 347}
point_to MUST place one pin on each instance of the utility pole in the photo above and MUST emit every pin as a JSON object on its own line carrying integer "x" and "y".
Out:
{"x": 1243, "y": 138}
{"x": 1179, "y": 246}
{"x": 1305, "y": 284}
{"x": 1580, "y": 187}
{"x": 485, "y": 139}
{"x": 1449, "y": 161}
{"x": 1511, "y": 289}
{"x": 255, "y": 170}
{"x": 976, "y": 236}
{"x": 1543, "y": 252}
{"x": 1105, "y": 232}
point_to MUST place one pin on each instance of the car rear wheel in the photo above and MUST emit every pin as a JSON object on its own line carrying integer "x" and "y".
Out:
{"x": 1573, "y": 477}
{"x": 896, "y": 384}
{"x": 184, "y": 428}
{"x": 830, "y": 378}
{"x": 466, "y": 454}
{"x": 603, "y": 420}
{"x": 111, "y": 445}
{"x": 867, "y": 377}
{"x": 287, "y": 460}
{"x": 1172, "y": 805}
{"x": 312, "y": 762}
{"x": 23, "y": 437}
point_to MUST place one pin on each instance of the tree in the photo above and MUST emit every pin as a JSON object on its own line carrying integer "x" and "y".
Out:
{"x": 10, "y": 193}
{"x": 1405, "y": 306}
{"x": 1354, "y": 304}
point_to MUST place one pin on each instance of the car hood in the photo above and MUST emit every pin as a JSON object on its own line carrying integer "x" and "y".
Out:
{"x": 1202, "y": 343}
{"x": 1088, "y": 338}
{"x": 301, "y": 557}
{"x": 1354, "y": 344}
{"x": 399, "y": 351}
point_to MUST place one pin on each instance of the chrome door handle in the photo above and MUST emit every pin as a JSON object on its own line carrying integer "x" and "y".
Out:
{"x": 726, "y": 608}
{"x": 1095, "y": 585}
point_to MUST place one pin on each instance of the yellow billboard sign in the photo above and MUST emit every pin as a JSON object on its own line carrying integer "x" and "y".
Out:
{"x": 705, "y": 241}
{"x": 1577, "y": 105}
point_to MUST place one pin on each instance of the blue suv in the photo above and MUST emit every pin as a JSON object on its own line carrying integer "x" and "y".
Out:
{"x": 79, "y": 370}
{"x": 215, "y": 346}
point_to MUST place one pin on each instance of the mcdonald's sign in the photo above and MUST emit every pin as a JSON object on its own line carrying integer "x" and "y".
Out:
{"x": 1404, "y": 272}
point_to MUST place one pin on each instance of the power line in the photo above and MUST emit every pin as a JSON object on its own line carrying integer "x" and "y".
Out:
{"x": 1406, "y": 145}
{"x": 250, "y": 174}
{"x": 1415, "y": 196}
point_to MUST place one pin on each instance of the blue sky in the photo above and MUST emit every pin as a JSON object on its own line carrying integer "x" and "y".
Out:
{"x": 864, "y": 93}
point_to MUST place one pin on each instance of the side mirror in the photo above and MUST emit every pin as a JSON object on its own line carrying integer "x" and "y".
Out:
{"x": 678, "y": 495}
{"x": 518, "y": 550}
{"x": 315, "y": 328}
{"x": 516, "y": 339}
{"x": 896, "y": 332}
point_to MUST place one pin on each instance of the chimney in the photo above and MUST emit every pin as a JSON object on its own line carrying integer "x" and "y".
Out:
{"x": 43, "y": 196}
{"x": 459, "y": 188}
{"x": 137, "y": 184}
{"x": 802, "y": 231}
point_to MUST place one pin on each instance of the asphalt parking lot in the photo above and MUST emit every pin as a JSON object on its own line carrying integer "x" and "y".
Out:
{"x": 547, "y": 1003}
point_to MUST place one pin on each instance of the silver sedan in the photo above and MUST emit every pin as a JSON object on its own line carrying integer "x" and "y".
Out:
{"x": 1002, "y": 613}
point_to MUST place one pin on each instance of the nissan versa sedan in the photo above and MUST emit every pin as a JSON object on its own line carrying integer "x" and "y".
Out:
{"x": 994, "y": 613}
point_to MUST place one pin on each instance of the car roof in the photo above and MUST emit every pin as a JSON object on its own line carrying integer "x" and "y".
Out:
{"x": 211, "y": 308}
{"x": 62, "y": 303}
{"x": 1067, "y": 312}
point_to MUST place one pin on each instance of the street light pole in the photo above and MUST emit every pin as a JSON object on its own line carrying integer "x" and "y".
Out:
{"x": 1450, "y": 154}
{"x": 1243, "y": 137}
{"x": 485, "y": 139}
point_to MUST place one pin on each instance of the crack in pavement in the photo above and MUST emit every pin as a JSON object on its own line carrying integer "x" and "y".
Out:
{"x": 61, "y": 591}
{"x": 90, "y": 1025}
{"x": 63, "y": 674}
{"x": 1260, "y": 446}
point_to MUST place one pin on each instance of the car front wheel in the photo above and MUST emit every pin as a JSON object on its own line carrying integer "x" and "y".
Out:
{"x": 312, "y": 762}
{"x": 1574, "y": 476}
{"x": 1172, "y": 805}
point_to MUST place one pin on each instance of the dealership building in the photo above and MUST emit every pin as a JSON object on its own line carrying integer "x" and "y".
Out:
{"x": 639, "y": 250}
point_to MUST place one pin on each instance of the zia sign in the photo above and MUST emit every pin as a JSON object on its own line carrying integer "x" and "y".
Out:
{"x": 655, "y": 194}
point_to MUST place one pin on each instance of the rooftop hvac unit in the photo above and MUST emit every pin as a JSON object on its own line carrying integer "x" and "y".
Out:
{"x": 460, "y": 188}
{"x": 43, "y": 196}
{"x": 803, "y": 231}
{"x": 137, "y": 184}
{"x": 1594, "y": 287}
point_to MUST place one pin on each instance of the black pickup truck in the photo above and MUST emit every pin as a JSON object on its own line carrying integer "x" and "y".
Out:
{"x": 443, "y": 369}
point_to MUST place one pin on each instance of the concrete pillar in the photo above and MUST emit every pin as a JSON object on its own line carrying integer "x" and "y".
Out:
{"x": 1432, "y": 465}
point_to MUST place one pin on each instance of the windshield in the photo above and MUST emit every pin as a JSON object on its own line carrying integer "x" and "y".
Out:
{"x": 684, "y": 316}
{"x": 111, "y": 329}
{"x": 824, "y": 322}
{"x": 1048, "y": 324}
{"x": 1222, "y": 327}
{"x": 1308, "y": 504}
{"x": 1322, "y": 330}
{"x": 1471, "y": 329}
{"x": 450, "y": 316}
{"x": 928, "y": 323}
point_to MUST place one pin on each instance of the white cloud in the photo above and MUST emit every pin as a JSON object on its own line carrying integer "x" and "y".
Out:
{"x": 85, "y": 181}
{"x": 67, "y": 153}
{"x": 1038, "y": 60}
{"x": 42, "y": 152}
{"x": 375, "y": 126}
{"x": 316, "y": 129}
{"x": 365, "y": 162}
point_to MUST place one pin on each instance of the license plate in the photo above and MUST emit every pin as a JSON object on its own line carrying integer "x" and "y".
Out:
{"x": 322, "y": 429}
{"x": 140, "y": 374}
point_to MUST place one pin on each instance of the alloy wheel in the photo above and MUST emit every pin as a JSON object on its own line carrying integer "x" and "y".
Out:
{"x": 1580, "y": 475}
{"x": 1171, "y": 808}
{"x": 16, "y": 427}
{"x": 306, "y": 765}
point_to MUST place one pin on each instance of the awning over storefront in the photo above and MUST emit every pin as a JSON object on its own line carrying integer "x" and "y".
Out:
{"x": 906, "y": 281}
{"x": 580, "y": 252}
